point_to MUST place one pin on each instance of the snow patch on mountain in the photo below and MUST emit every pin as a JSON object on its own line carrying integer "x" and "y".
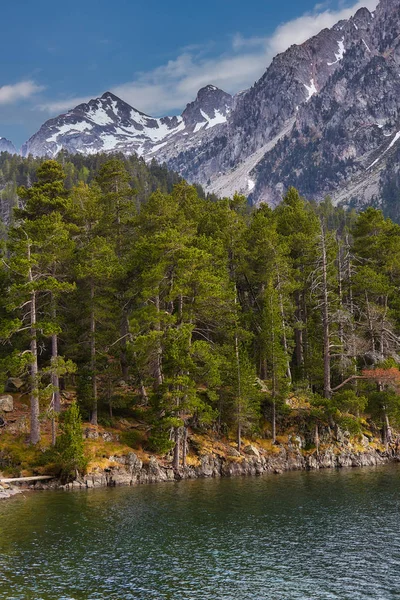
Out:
{"x": 340, "y": 54}
{"x": 311, "y": 90}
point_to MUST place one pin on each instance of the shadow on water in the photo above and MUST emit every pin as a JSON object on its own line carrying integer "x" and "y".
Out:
{"x": 316, "y": 535}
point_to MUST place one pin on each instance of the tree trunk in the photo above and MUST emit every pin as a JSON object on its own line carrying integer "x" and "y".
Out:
{"x": 93, "y": 418}
{"x": 325, "y": 319}
{"x": 299, "y": 347}
{"x": 387, "y": 430}
{"x": 239, "y": 387}
{"x": 239, "y": 398}
{"x": 273, "y": 421}
{"x": 285, "y": 344}
{"x": 34, "y": 395}
{"x": 370, "y": 324}
{"x": 340, "y": 293}
{"x": 123, "y": 347}
{"x": 175, "y": 461}
{"x": 316, "y": 439}
{"x": 55, "y": 380}
{"x": 351, "y": 305}
{"x": 184, "y": 446}
{"x": 159, "y": 375}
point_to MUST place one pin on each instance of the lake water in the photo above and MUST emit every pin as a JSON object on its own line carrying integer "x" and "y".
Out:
{"x": 320, "y": 535}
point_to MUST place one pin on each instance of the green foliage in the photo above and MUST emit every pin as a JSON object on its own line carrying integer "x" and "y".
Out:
{"x": 133, "y": 438}
{"x": 160, "y": 440}
{"x": 69, "y": 450}
{"x": 125, "y": 281}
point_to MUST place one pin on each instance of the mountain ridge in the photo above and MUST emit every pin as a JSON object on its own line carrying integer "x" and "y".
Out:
{"x": 323, "y": 117}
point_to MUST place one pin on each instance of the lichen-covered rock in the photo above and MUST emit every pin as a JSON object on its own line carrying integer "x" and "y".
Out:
{"x": 252, "y": 450}
{"x": 6, "y": 403}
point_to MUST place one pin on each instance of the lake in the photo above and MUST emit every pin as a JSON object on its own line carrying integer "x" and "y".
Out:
{"x": 319, "y": 535}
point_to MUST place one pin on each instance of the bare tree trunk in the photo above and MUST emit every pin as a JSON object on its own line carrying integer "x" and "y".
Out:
{"x": 351, "y": 305}
{"x": 274, "y": 382}
{"x": 387, "y": 430}
{"x": 184, "y": 445}
{"x": 143, "y": 392}
{"x": 370, "y": 325}
{"x": 34, "y": 395}
{"x": 239, "y": 398}
{"x": 316, "y": 439}
{"x": 299, "y": 347}
{"x": 175, "y": 461}
{"x": 340, "y": 291}
{"x": 93, "y": 418}
{"x": 55, "y": 380}
{"x": 123, "y": 347}
{"x": 325, "y": 318}
{"x": 159, "y": 375}
{"x": 382, "y": 336}
{"x": 273, "y": 421}
{"x": 285, "y": 343}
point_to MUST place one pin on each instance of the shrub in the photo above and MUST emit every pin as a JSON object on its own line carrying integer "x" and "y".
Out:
{"x": 69, "y": 450}
{"x": 132, "y": 438}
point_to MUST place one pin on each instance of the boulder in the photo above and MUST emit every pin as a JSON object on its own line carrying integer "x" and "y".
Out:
{"x": 14, "y": 385}
{"x": 251, "y": 450}
{"x": 233, "y": 452}
{"x": 91, "y": 433}
{"x": 6, "y": 403}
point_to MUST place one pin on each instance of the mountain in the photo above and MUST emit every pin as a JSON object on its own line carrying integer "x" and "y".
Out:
{"x": 318, "y": 119}
{"x": 7, "y": 146}
{"x": 324, "y": 117}
{"x": 108, "y": 124}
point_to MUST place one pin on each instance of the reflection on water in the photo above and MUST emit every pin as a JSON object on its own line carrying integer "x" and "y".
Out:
{"x": 333, "y": 534}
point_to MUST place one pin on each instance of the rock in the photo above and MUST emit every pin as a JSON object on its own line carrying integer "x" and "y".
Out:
{"x": 251, "y": 450}
{"x": 6, "y": 403}
{"x": 14, "y": 385}
{"x": 91, "y": 433}
{"x": 296, "y": 442}
{"x": 278, "y": 471}
{"x": 233, "y": 452}
{"x": 109, "y": 437}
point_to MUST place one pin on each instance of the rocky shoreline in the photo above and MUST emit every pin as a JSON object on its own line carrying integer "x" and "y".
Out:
{"x": 130, "y": 470}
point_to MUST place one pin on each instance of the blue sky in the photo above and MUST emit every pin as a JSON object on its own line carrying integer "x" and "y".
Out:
{"x": 154, "y": 54}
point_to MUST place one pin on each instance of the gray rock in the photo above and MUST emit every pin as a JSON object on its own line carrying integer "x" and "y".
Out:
{"x": 14, "y": 385}
{"x": 233, "y": 452}
{"x": 6, "y": 403}
{"x": 252, "y": 450}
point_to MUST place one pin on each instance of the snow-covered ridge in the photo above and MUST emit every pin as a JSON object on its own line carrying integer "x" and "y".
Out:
{"x": 108, "y": 124}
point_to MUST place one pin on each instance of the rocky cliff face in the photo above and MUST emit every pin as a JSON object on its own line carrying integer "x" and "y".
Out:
{"x": 324, "y": 117}
{"x": 7, "y": 146}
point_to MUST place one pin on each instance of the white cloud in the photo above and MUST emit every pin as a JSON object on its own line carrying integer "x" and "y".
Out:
{"x": 61, "y": 106}
{"x": 169, "y": 87}
{"x": 18, "y": 91}
{"x": 301, "y": 29}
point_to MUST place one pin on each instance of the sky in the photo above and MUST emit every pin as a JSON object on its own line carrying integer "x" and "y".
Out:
{"x": 154, "y": 54}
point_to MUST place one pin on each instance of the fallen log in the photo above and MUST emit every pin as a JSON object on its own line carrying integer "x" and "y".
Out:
{"x": 26, "y": 479}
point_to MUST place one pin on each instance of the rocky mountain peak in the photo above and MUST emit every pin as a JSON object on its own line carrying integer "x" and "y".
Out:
{"x": 7, "y": 146}
{"x": 211, "y": 107}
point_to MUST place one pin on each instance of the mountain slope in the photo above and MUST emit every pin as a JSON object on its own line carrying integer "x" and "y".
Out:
{"x": 324, "y": 117}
